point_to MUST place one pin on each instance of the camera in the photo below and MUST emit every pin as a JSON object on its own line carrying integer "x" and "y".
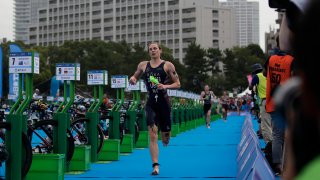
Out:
{"x": 279, "y": 4}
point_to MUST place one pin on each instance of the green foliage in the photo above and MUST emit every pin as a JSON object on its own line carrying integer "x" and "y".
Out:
{"x": 237, "y": 65}
{"x": 255, "y": 50}
{"x": 196, "y": 67}
{"x": 214, "y": 57}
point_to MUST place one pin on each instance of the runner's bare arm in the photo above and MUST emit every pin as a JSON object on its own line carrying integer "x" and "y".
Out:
{"x": 133, "y": 79}
{"x": 212, "y": 96}
{"x": 171, "y": 71}
{"x": 202, "y": 96}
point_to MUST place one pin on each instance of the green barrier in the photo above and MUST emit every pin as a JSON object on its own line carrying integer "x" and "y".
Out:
{"x": 175, "y": 130}
{"x": 182, "y": 127}
{"x": 127, "y": 144}
{"x": 110, "y": 150}
{"x": 81, "y": 158}
{"x": 175, "y": 118}
{"x": 47, "y": 166}
{"x": 143, "y": 141}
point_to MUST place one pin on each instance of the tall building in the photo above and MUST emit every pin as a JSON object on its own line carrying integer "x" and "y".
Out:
{"x": 270, "y": 37}
{"x": 22, "y": 19}
{"x": 247, "y": 20}
{"x": 174, "y": 23}
{"x": 25, "y": 14}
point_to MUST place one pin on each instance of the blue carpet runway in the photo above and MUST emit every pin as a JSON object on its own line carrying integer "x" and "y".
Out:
{"x": 199, "y": 153}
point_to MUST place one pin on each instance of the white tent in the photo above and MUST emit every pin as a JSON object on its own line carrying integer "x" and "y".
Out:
{"x": 247, "y": 91}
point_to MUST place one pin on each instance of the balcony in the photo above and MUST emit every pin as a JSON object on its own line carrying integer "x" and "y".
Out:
{"x": 108, "y": 15}
{"x": 170, "y": 36}
{"x": 98, "y": 16}
{"x": 189, "y": 15}
{"x": 173, "y": 7}
{"x": 163, "y": 37}
{"x": 108, "y": 33}
{"x": 185, "y": 45}
{"x": 156, "y": 27}
{"x": 215, "y": 16}
{"x": 97, "y": 34}
{"x": 34, "y": 32}
{"x": 142, "y": 30}
{"x": 98, "y": 25}
{"x": 189, "y": 25}
{"x": 189, "y": 35}
{"x": 43, "y": 15}
{"x": 108, "y": 24}
{"x": 83, "y": 27}
{"x": 96, "y": 8}
{"x": 33, "y": 41}
{"x": 43, "y": 23}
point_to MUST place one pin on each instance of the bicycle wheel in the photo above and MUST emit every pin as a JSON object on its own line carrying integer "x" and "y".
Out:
{"x": 26, "y": 149}
{"x": 41, "y": 137}
{"x": 78, "y": 131}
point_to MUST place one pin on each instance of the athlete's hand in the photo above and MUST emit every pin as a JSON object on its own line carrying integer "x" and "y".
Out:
{"x": 161, "y": 86}
{"x": 132, "y": 80}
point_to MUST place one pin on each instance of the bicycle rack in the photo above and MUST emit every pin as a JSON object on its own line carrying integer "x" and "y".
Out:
{"x": 141, "y": 138}
{"x": 16, "y": 119}
{"x": 68, "y": 73}
{"x": 101, "y": 79}
{"x": 111, "y": 147}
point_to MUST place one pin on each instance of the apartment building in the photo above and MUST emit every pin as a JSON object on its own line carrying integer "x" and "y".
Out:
{"x": 174, "y": 23}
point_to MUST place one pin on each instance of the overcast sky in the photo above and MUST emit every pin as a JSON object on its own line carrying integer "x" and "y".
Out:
{"x": 267, "y": 19}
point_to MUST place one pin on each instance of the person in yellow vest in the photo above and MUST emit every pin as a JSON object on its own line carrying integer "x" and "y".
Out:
{"x": 258, "y": 84}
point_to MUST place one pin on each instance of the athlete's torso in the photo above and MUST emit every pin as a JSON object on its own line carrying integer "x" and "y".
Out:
{"x": 207, "y": 97}
{"x": 160, "y": 74}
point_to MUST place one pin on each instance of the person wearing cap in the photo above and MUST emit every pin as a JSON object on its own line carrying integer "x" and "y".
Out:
{"x": 258, "y": 84}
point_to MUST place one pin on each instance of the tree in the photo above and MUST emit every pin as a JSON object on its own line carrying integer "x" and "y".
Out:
{"x": 256, "y": 50}
{"x": 214, "y": 57}
{"x": 196, "y": 67}
{"x": 237, "y": 65}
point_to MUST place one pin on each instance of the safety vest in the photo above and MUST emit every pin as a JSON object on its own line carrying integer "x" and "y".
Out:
{"x": 262, "y": 86}
{"x": 279, "y": 71}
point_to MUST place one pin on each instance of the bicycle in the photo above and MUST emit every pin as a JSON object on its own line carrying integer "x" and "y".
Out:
{"x": 40, "y": 134}
{"x": 4, "y": 154}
